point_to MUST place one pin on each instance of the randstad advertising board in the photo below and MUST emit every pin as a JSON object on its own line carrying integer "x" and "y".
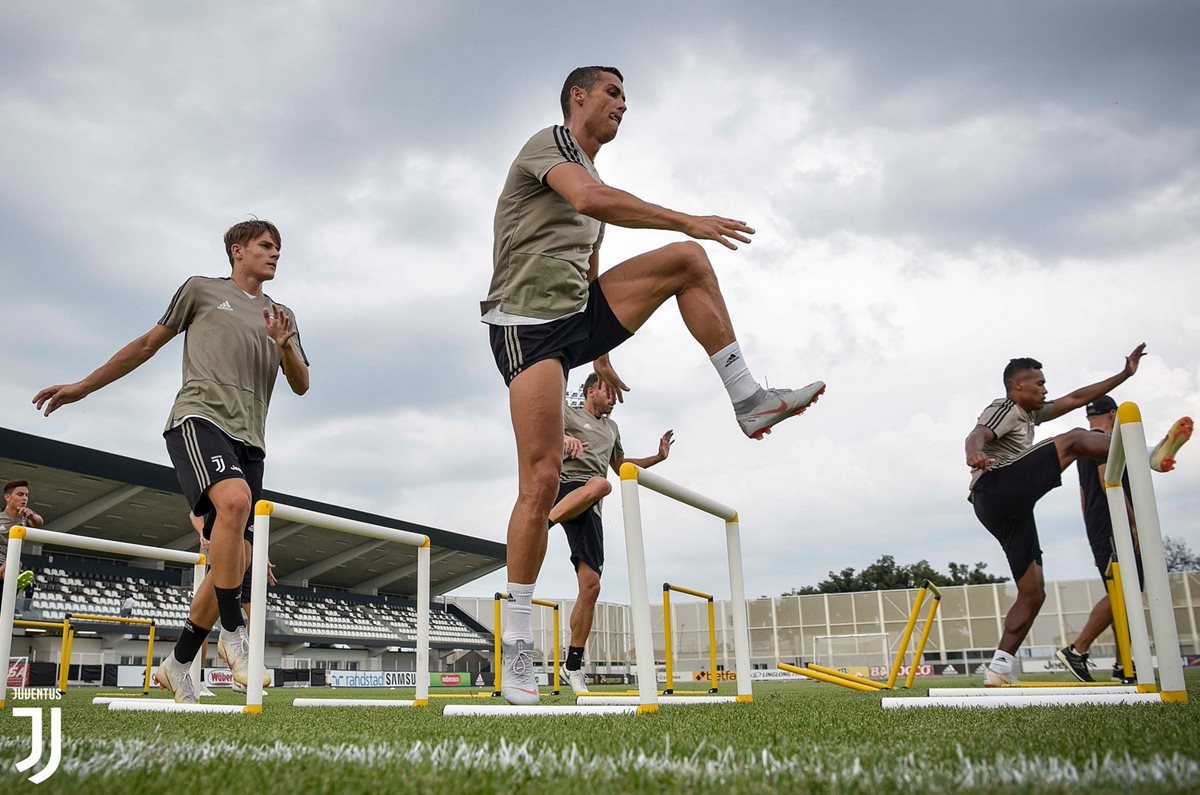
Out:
{"x": 371, "y": 678}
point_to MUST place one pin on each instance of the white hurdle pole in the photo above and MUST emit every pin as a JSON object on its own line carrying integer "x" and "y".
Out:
{"x": 1135, "y": 614}
{"x": 633, "y": 476}
{"x": 8, "y": 602}
{"x": 16, "y": 538}
{"x": 264, "y": 510}
{"x": 1158, "y": 589}
{"x": 639, "y": 592}
{"x": 198, "y": 572}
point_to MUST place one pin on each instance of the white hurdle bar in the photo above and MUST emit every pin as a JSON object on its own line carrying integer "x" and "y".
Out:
{"x": 1127, "y": 451}
{"x": 17, "y": 537}
{"x": 1033, "y": 700}
{"x": 632, "y": 477}
{"x": 473, "y": 711}
{"x": 264, "y": 510}
{"x": 616, "y": 701}
{"x": 1009, "y": 692}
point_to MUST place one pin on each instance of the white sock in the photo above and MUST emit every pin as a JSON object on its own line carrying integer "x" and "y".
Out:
{"x": 731, "y": 366}
{"x": 1002, "y": 662}
{"x": 519, "y": 609}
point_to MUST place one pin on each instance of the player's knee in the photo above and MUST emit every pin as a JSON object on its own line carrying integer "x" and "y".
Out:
{"x": 599, "y": 487}
{"x": 540, "y": 486}
{"x": 589, "y": 588}
{"x": 231, "y": 501}
{"x": 692, "y": 256}
{"x": 1076, "y": 439}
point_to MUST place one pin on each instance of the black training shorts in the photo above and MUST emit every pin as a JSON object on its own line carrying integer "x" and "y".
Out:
{"x": 203, "y": 454}
{"x": 585, "y": 533}
{"x": 1004, "y": 498}
{"x": 578, "y": 339}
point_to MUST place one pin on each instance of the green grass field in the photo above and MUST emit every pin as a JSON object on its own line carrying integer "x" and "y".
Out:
{"x": 795, "y": 737}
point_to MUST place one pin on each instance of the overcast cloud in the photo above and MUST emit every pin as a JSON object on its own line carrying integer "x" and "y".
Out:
{"x": 936, "y": 187}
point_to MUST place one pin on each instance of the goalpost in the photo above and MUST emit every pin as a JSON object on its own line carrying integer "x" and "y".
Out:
{"x": 862, "y": 650}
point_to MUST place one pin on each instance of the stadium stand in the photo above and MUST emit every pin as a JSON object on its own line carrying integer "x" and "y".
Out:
{"x": 315, "y": 615}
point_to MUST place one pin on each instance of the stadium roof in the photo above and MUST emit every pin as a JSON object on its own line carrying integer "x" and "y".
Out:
{"x": 90, "y": 492}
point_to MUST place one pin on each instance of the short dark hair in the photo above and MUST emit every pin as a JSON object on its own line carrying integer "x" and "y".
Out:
{"x": 1019, "y": 365}
{"x": 591, "y": 382}
{"x": 14, "y": 484}
{"x": 583, "y": 77}
{"x": 243, "y": 233}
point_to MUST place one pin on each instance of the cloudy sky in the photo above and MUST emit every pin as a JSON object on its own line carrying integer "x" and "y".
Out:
{"x": 936, "y": 188}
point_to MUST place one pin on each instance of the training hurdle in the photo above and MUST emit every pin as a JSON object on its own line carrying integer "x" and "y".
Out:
{"x": 1127, "y": 452}
{"x": 496, "y": 633}
{"x": 647, "y": 700}
{"x": 69, "y": 641}
{"x": 633, "y": 478}
{"x": 833, "y": 676}
{"x": 264, "y": 511}
{"x": 19, "y": 535}
{"x": 668, "y": 632}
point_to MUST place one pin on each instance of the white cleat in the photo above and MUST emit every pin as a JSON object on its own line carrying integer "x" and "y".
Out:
{"x": 176, "y": 678}
{"x": 518, "y": 681}
{"x": 234, "y": 649}
{"x": 993, "y": 679}
{"x": 578, "y": 682}
{"x": 776, "y": 406}
{"x": 235, "y": 687}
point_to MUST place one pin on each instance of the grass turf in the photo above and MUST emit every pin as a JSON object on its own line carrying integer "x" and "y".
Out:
{"x": 795, "y": 737}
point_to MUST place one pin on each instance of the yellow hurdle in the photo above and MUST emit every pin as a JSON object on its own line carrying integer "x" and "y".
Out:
{"x": 1120, "y": 625}
{"x": 824, "y": 669}
{"x": 496, "y": 626}
{"x": 851, "y": 683}
{"x": 926, "y": 588}
{"x": 667, "y": 633}
{"x": 69, "y": 642}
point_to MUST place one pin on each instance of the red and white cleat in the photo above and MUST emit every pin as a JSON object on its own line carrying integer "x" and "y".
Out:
{"x": 1162, "y": 457}
{"x": 776, "y": 406}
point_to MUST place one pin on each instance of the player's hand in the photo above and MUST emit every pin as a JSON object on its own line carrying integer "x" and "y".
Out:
{"x": 279, "y": 326}
{"x": 609, "y": 378}
{"x": 572, "y": 447}
{"x": 271, "y": 581}
{"x": 718, "y": 228}
{"x": 24, "y": 513}
{"x": 59, "y": 395}
{"x": 664, "y": 445}
{"x": 1133, "y": 359}
{"x": 980, "y": 460}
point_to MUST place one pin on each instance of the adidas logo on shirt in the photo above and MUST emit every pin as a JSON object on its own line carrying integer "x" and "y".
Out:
{"x": 225, "y": 305}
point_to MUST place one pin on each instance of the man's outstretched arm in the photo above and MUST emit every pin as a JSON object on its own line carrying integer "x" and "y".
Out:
{"x": 621, "y": 208}
{"x": 1084, "y": 395}
{"x": 122, "y": 363}
{"x": 664, "y": 450}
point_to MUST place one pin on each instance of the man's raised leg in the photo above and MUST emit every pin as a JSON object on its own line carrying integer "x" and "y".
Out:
{"x": 1078, "y": 443}
{"x": 636, "y": 288}
{"x": 535, "y": 399}
{"x": 595, "y": 489}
